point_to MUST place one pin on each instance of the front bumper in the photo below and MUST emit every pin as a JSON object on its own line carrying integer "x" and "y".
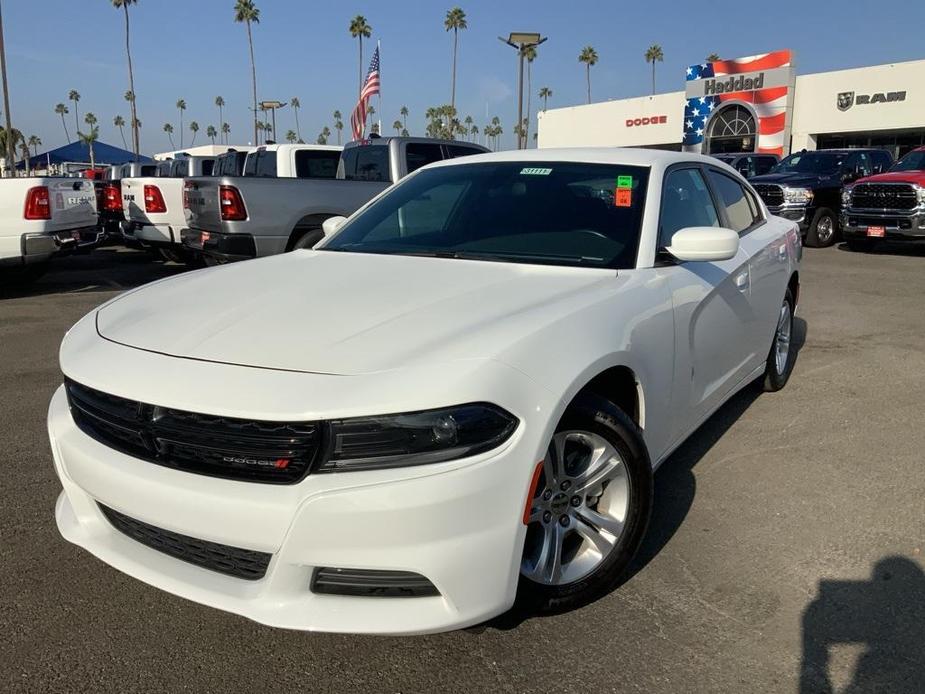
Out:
{"x": 801, "y": 214}
{"x": 457, "y": 524}
{"x": 228, "y": 247}
{"x": 897, "y": 225}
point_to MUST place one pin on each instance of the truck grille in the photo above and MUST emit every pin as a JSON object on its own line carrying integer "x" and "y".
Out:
{"x": 883, "y": 196}
{"x": 232, "y": 561}
{"x": 773, "y": 195}
{"x": 236, "y": 449}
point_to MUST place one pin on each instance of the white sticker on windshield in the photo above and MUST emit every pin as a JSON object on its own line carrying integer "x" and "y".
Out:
{"x": 535, "y": 172}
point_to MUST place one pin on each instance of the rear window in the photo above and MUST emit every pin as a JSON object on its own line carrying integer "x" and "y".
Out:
{"x": 462, "y": 151}
{"x": 420, "y": 154}
{"x": 265, "y": 164}
{"x": 207, "y": 167}
{"x": 149, "y": 170}
{"x": 250, "y": 164}
{"x": 367, "y": 163}
{"x": 316, "y": 164}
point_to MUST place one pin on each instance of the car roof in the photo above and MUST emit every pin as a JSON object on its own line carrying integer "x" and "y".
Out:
{"x": 385, "y": 139}
{"x": 286, "y": 145}
{"x": 654, "y": 158}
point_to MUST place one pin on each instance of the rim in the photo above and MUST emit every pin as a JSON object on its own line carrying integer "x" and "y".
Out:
{"x": 825, "y": 228}
{"x": 782, "y": 339}
{"x": 579, "y": 510}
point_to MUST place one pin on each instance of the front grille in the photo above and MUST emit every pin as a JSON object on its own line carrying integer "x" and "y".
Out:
{"x": 773, "y": 195}
{"x": 236, "y": 449}
{"x": 371, "y": 583}
{"x": 883, "y": 196}
{"x": 232, "y": 561}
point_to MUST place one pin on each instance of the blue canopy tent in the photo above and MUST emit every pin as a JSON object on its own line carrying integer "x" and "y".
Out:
{"x": 79, "y": 152}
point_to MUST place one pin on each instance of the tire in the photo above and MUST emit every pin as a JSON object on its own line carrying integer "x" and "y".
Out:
{"x": 823, "y": 229}
{"x": 861, "y": 245}
{"x": 586, "y": 573}
{"x": 170, "y": 255}
{"x": 307, "y": 238}
{"x": 777, "y": 370}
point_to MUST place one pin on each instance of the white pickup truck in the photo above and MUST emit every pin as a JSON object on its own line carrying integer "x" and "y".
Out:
{"x": 42, "y": 217}
{"x": 153, "y": 205}
{"x": 293, "y": 161}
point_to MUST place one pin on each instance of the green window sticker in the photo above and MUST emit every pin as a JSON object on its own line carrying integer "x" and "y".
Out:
{"x": 624, "y": 181}
{"x": 530, "y": 171}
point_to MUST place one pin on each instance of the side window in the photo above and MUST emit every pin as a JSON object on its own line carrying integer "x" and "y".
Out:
{"x": 250, "y": 164}
{"x": 860, "y": 162}
{"x": 740, "y": 211}
{"x": 316, "y": 164}
{"x": 462, "y": 151}
{"x": 764, "y": 164}
{"x": 686, "y": 202}
{"x": 746, "y": 166}
{"x": 372, "y": 164}
{"x": 348, "y": 163}
{"x": 420, "y": 154}
{"x": 207, "y": 165}
{"x": 265, "y": 166}
{"x": 882, "y": 161}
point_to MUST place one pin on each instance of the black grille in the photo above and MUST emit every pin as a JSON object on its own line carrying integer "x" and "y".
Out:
{"x": 371, "y": 583}
{"x": 773, "y": 195}
{"x": 237, "y": 449}
{"x": 232, "y": 561}
{"x": 883, "y": 196}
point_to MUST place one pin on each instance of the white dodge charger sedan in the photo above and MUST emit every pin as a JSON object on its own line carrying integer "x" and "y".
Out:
{"x": 456, "y": 401}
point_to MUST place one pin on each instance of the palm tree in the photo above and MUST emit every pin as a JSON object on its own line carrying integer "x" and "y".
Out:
{"x": 360, "y": 29}
{"x": 405, "y": 133}
{"x": 338, "y": 125}
{"x": 530, "y": 55}
{"x": 211, "y": 133}
{"x": 404, "y": 117}
{"x": 261, "y": 128}
{"x": 35, "y": 142}
{"x": 181, "y": 107}
{"x": 291, "y": 136}
{"x": 88, "y": 139}
{"x": 8, "y": 145}
{"x": 90, "y": 119}
{"x": 296, "y": 105}
{"x": 713, "y": 57}
{"x": 119, "y": 122}
{"x": 474, "y": 132}
{"x": 61, "y": 110}
{"x": 168, "y": 128}
{"x": 326, "y": 131}
{"x": 397, "y": 126}
{"x": 136, "y": 124}
{"x": 653, "y": 55}
{"x": 455, "y": 20}
{"x": 468, "y": 120}
{"x": 24, "y": 151}
{"x": 588, "y": 56}
{"x": 245, "y": 11}
{"x": 545, "y": 93}
{"x": 194, "y": 128}
{"x": 226, "y": 130}
{"x": 220, "y": 102}
{"x": 131, "y": 77}
{"x": 74, "y": 96}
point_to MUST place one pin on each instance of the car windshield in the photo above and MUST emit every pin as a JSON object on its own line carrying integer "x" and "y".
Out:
{"x": 812, "y": 163}
{"x": 914, "y": 161}
{"x": 555, "y": 213}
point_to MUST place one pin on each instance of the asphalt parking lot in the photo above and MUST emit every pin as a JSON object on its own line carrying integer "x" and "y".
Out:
{"x": 785, "y": 554}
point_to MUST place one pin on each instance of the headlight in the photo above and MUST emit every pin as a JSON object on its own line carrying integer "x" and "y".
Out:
{"x": 416, "y": 438}
{"x": 798, "y": 195}
{"x": 846, "y": 196}
{"x": 921, "y": 194}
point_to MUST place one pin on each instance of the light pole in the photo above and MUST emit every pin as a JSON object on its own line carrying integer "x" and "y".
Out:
{"x": 521, "y": 40}
{"x": 272, "y": 106}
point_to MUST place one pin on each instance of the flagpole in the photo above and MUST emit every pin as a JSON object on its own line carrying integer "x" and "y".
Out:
{"x": 379, "y": 49}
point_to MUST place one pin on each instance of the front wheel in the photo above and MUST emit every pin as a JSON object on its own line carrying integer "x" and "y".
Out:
{"x": 822, "y": 229}
{"x": 782, "y": 356}
{"x": 590, "y": 509}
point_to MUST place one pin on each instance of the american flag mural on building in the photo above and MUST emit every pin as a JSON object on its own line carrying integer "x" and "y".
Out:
{"x": 763, "y": 84}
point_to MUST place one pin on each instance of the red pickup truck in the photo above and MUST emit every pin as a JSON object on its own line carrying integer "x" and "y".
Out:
{"x": 887, "y": 206}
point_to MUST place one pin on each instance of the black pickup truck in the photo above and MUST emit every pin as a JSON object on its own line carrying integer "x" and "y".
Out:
{"x": 806, "y": 187}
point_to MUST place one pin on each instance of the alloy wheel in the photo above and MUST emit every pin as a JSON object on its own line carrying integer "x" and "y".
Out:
{"x": 782, "y": 338}
{"x": 825, "y": 229}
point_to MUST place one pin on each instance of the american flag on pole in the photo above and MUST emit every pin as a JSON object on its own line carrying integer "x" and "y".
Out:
{"x": 769, "y": 104}
{"x": 370, "y": 89}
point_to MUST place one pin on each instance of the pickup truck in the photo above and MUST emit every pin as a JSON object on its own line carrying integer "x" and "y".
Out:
{"x": 293, "y": 161}
{"x": 109, "y": 194}
{"x": 886, "y": 206}
{"x": 806, "y": 188}
{"x": 232, "y": 218}
{"x": 231, "y": 163}
{"x": 153, "y": 205}
{"x": 42, "y": 217}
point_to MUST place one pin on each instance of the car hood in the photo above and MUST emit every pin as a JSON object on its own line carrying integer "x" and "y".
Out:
{"x": 793, "y": 179}
{"x": 896, "y": 177}
{"x": 347, "y": 313}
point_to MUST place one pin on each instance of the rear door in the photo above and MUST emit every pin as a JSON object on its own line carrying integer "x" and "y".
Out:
{"x": 73, "y": 203}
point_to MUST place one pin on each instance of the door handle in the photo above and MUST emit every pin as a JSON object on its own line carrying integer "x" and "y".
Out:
{"x": 741, "y": 281}
{"x": 782, "y": 252}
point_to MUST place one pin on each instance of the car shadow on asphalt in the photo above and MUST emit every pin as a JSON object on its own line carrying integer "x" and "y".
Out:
{"x": 104, "y": 269}
{"x": 883, "y": 615}
{"x": 911, "y": 250}
{"x": 675, "y": 484}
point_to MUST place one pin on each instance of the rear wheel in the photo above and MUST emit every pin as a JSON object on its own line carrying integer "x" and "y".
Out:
{"x": 822, "y": 229}
{"x": 590, "y": 510}
{"x": 782, "y": 355}
{"x": 306, "y": 238}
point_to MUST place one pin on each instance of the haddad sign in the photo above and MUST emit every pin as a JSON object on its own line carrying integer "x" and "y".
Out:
{"x": 846, "y": 100}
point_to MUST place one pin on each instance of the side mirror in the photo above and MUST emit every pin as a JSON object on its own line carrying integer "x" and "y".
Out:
{"x": 704, "y": 244}
{"x": 332, "y": 224}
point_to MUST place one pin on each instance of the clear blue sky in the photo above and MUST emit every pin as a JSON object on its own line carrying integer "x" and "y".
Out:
{"x": 192, "y": 49}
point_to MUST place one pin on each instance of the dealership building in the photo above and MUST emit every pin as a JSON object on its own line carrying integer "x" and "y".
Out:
{"x": 757, "y": 104}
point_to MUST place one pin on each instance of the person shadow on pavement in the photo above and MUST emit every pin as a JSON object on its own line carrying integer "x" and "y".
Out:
{"x": 885, "y": 614}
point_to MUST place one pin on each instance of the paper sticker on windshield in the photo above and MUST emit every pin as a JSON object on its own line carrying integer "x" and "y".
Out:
{"x": 624, "y": 181}
{"x": 623, "y": 197}
{"x": 529, "y": 171}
